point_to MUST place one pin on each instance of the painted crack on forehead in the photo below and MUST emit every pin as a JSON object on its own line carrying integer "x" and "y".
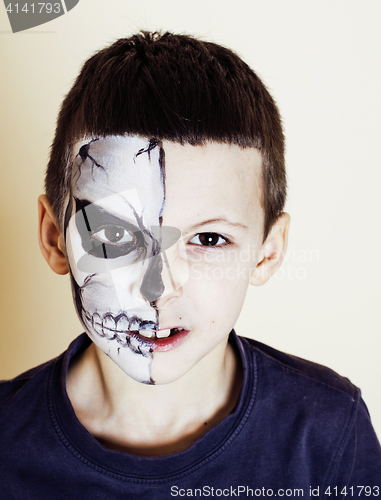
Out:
{"x": 84, "y": 155}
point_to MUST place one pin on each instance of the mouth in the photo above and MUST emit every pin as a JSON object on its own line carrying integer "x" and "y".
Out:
{"x": 164, "y": 339}
{"x": 144, "y": 340}
{"x": 160, "y": 334}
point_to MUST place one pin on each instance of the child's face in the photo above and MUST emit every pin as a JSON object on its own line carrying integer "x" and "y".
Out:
{"x": 161, "y": 240}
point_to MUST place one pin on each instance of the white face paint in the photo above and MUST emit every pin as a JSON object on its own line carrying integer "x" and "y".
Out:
{"x": 129, "y": 266}
{"x": 116, "y": 246}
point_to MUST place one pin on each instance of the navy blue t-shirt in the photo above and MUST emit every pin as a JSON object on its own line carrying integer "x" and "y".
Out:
{"x": 298, "y": 430}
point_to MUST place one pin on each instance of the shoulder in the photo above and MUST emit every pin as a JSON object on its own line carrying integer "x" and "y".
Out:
{"x": 29, "y": 384}
{"x": 307, "y": 373}
{"x": 315, "y": 408}
{"x": 25, "y": 383}
{"x": 312, "y": 402}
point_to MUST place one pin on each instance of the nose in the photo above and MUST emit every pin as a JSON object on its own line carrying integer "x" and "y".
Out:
{"x": 152, "y": 286}
{"x": 167, "y": 269}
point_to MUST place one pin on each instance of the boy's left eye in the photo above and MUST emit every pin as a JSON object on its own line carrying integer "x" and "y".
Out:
{"x": 208, "y": 240}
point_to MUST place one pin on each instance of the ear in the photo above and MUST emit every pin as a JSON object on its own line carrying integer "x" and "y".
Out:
{"x": 50, "y": 237}
{"x": 272, "y": 252}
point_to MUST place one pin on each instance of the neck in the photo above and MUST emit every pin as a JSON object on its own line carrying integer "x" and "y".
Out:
{"x": 152, "y": 420}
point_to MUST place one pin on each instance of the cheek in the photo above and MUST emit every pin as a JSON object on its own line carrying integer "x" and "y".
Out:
{"x": 99, "y": 295}
{"x": 219, "y": 288}
{"x": 220, "y": 276}
{"x": 117, "y": 290}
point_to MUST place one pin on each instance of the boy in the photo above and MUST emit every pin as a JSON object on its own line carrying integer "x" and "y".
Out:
{"x": 164, "y": 200}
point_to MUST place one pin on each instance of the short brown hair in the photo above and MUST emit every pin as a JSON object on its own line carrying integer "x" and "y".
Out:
{"x": 171, "y": 87}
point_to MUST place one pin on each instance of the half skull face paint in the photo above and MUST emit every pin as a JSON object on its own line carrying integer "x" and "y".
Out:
{"x": 116, "y": 245}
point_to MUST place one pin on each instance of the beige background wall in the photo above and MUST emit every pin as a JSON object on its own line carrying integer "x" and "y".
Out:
{"x": 320, "y": 59}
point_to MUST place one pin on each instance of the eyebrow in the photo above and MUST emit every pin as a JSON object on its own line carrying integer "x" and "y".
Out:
{"x": 218, "y": 220}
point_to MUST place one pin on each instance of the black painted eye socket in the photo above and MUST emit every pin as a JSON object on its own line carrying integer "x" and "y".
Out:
{"x": 107, "y": 237}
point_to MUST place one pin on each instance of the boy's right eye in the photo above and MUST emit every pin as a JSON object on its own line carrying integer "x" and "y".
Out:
{"x": 209, "y": 240}
{"x": 111, "y": 242}
{"x": 114, "y": 234}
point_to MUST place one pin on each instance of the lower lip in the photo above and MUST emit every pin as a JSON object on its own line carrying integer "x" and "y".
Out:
{"x": 166, "y": 344}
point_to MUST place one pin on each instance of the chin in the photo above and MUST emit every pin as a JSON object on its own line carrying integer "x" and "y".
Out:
{"x": 167, "y": 373}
